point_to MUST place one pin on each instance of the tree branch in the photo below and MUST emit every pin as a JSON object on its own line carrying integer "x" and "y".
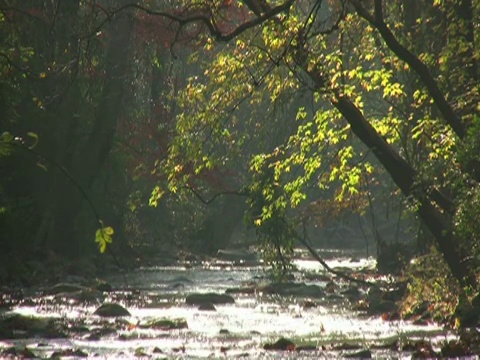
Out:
{"x": 304, "y": 241}
{"x": 415, "y": 64}
{"x": 207, "y": 21}
{"x": 215, "y": 196}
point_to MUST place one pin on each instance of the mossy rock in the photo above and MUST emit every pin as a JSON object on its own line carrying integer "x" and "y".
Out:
{"x": 111, "y": 310}
{"x": 209, "y": 298}
{"x": 21, "y": 326}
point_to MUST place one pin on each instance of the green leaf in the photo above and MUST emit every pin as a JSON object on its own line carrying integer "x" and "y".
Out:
{"x": 103, "y": 237}
{"x": 108, "y": 230}
{"x": 35, "y": 139}
{"x": 42, "y": 166}
{"x": 6, "y": 137}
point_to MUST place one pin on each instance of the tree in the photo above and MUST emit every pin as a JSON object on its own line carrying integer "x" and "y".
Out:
{"x": 354, "y": 60}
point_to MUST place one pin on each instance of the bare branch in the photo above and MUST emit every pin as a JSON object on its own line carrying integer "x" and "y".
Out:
{"x": 214, "y": 197}
{"x": 205, "y": 20}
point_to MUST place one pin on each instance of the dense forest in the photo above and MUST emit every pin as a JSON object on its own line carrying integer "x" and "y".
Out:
{"x": 135, "y": 130}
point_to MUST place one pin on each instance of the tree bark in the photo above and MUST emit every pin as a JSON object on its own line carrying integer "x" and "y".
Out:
{"x": 404, "y": 176}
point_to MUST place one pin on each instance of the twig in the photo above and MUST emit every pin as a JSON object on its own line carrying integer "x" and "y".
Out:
{"x": 304, "y": 241}
{"x": 212, "y": 199}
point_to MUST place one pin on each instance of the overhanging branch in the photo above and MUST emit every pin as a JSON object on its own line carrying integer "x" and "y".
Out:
{"x": 206, "y": 20}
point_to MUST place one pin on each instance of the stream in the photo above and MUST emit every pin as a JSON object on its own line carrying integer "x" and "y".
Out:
{"x": 324, "y": 327}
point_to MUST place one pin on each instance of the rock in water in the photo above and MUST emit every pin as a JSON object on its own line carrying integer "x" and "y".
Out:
{"x": 362, "y": 354}
{"x": 207, "y": 307}
{"x": 65, "y": 288}
{"x": 281, "y": 344}
{"x": 209, "y": 298}
{"x": 164, "y": 324}
{"x": 111, "y": 310}
{"x": 294, "y": 289}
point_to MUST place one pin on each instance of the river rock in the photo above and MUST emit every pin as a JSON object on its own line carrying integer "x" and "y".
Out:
{"x": 21, "y": 326}
{"x": 103, "y": 286}
{"x": 455, "y": 349}
{"x": 164, "y": 324}
{"x": 180, "y": 279}
{"x": 70, "y": 353}
{"x": 281, "y": 344}
{"x": 111, "y": 310}
{"x": 209, "y": 298}
{"x": 66, "y": 288}
{"x": 237, "y": 255}
{"x": 362, "y": 354}
{"x": 86, "y": 295}
{"x": 352, "y": 293}
{"x": 140, "y": 352}
{"x": 157, "y": 350}
{"x": 98, "y": 333}
{"x": 207, "y": 307}
{"x": 241, "y": 290}
{"x": 179, "y": 282}
{"x": 14, "y": 353}
{"x": 309, "y": 304}
{"x": 306, "y": 348}
{"x": 294, "y": 289}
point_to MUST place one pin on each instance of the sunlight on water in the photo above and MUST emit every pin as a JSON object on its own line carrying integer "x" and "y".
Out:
{"x": 241, "y": 328}
{"x": 313, "y": 265}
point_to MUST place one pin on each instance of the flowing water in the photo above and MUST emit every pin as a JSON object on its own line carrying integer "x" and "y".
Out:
{"x": 236, "y": 330}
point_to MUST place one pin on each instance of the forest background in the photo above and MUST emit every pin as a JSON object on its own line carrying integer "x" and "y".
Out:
{"x": 171, "y": 126}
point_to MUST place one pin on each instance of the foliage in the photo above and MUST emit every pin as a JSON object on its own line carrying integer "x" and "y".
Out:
{"x": 103, "y": 237}
{"x": 249, "y": 79}
{"x": 6, "y": 140}
{"x": 403, "y": 95}
{"x": 430, "y": 288}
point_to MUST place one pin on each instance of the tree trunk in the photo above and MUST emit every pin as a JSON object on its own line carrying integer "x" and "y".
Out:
{"x": 404, "y": 176}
